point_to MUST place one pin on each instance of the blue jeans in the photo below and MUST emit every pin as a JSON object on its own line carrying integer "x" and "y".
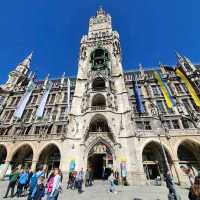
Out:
{"x": 54, "y": 196}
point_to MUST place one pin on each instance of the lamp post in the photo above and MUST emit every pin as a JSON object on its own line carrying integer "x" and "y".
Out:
{"x": 156, "y": 112}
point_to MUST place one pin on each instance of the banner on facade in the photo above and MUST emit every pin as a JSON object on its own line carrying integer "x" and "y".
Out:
{"x": 138, "y": 98}
{"x": 40, "y": 110}
{"x": 189, "y": 86}
{"x": 164, "y": 90}
{"x": 72, "y": 165}
{"x": 24, "y": 100}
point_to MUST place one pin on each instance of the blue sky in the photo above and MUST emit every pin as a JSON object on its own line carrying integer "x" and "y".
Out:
{"x": 150, "y": 31}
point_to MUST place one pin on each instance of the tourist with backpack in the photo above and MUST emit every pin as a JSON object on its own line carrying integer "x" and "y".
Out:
{"x": 33, "y": 182}
{"x": 23, "y": 178}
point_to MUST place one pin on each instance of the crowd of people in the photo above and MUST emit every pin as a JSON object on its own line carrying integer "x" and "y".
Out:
{"x": 24, "y": 182}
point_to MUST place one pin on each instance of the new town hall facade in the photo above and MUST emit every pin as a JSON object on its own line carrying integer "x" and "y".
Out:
{"x": 104, "y": 118}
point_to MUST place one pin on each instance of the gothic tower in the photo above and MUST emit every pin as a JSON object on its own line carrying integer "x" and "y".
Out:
{"x": 100, "y": 114}
{"x": 19, "y": 75}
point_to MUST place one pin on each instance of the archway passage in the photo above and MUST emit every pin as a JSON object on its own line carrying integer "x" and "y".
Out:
{"x": 189, "y": 158}
{"x": 153, "y": 160}
{"x": 50, "y": 156}
{"x": 100, "y": 161}
{"x": 23, "y": 157}
{"x": 3, "y": 154}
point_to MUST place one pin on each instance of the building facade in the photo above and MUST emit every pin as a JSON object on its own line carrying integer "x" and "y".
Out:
{"x": 94, "y": 120}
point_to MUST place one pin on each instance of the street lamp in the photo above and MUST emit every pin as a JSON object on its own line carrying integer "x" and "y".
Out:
{"x": 156, "y": 112}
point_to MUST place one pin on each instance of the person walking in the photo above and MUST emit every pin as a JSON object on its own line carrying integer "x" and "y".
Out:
{"x": 23, "y": 178}
{"x": 30, "y": 174}
{"x": 87, "y": 178}
{"x": 39, "y": 191}
{"x": 111, "y": 181}
{"x": 56, "y": 188}
{"x": 33, "y": 182}
{"x": 79, "y": 180}
{"x": 194, "y": 193}
{"x": 12, "y": 182}
{"x": 50, "y": 183}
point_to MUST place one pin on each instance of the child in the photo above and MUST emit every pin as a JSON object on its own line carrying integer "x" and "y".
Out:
{"x": 39, "y": 190}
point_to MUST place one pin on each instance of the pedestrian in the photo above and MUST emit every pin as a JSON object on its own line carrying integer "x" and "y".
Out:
{"x": 33, "y": 181}
{"x": 111, "y": 183}
{"x": 30, "y": 174}
{"x": 12, "y": 182}
{"x": 39, "y": 191}
{"x": 116, "y": 175}
{"x": 70, "y": 180}
{"x": 170, "y": 186}
{"x": 91, "y": 177}
{"x": 194, "y": 193}
{"x": 56, "y": 188}
{"x": 87, "y": 178}
{"x": 50, "y": 183}
{"x": 23, "y": 178}
{"x": 79, "y": 180}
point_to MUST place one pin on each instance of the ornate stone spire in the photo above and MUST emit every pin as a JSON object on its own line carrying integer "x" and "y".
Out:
{"x": 24, "y": 66}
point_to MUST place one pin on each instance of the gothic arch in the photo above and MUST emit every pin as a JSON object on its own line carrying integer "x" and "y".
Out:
{"x": 105, "y": 129}
{"x": 3, "y": 153}
{"x": 50, "y": 155}
{"x": 153, "y": 159}
{"x": 22, "y": 155}
{"x": 99, "y": 100}
{"x": 188, "y": 154}
{"x": 97, "y": 140}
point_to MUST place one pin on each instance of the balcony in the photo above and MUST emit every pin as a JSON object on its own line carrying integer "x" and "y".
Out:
{"x": 97, "y": 108}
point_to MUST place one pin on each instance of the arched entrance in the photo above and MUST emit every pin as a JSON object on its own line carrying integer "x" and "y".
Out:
{"x": 50, "y": 156}
{"x": 98, "y": 84}
{"x": 153, "y": 160}
{"x": 3, "y": 154}
{"x": 100, "y": 161}
{"x": 23, "y": 157}
{"x": 188, "y": 154}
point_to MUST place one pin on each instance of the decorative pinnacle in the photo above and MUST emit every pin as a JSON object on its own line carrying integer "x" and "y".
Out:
{"x": 26, "y": 62}
{"x": 101, "y": 11}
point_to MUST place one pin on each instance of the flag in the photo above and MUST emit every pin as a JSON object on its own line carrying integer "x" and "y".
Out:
{"x": 68, "y": 94}
{"x": 138, "y": 99}
{"x": 24, "y": 100}
{"x": 164, "y": 90}
{"x": 189, "y": 86}
{"x": 43, "y": 100}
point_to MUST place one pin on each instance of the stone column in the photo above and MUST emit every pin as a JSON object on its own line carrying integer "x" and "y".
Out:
{"x": 4, "y": 170}
{"x": 34, "y": 161}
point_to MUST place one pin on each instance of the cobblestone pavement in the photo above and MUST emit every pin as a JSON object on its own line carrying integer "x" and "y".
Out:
{"x": 100, "y": 192}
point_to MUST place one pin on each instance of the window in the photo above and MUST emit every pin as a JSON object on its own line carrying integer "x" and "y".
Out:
{"x": 12, "y": 101}
{"x": 1, "y": 100}
{"x": 160, "y": 106}
{"x": 34, "y": 99}
{"x": 143, "y": 125}
{"x": 65, "y": 97}
{"x": 17, "y": 101}
{"x": 59, "y": 129}
{"x": 156, "y": 90}
{"x": 186, "y": 103}
{"x": 195, "y": 106}
{"x": 63, "y": 112}
{"x": 187, "y": 123}
{"x": 37, "y": 130}
{"x": 27, "y": 115}
{"x": 179, "y": 88}
{"x": 147, "y": 125}
{"x": 9, "y": 116}
{"x": 5, "y": 115}
{"x": 52, "y": 99}
{"x": 167, "y": 124}
{"x": 175, "y": 124}
{"x": 48, "y": 113}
